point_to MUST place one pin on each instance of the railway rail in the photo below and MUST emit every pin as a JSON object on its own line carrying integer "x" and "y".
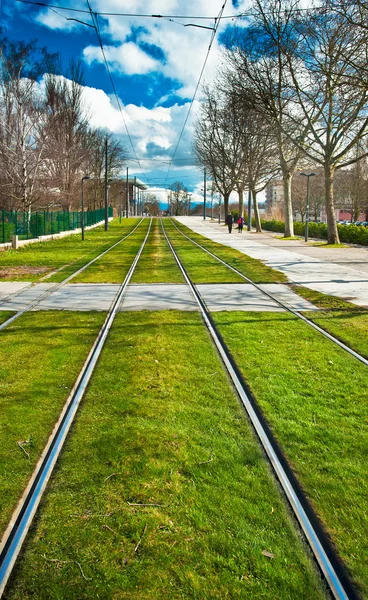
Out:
{"x": 57, "y": 286}
{"x": 329, "y": 562}
{"x": 23, "y": 516}
{"x": 296, "y": 313}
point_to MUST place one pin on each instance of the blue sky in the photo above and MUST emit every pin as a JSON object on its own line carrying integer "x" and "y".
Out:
{"x": 155, "y": 65}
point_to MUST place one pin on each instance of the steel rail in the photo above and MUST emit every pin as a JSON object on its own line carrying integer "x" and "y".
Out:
{"x": 21, "y": 520}
{"x": 329, "y": 563}
{"x": 296, "y": 313}
{"x": 57, "y": 286}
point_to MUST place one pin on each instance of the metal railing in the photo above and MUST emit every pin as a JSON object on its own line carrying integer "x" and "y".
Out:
{"x": 29, "y": 226}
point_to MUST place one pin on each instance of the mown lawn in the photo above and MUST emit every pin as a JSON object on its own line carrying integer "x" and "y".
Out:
{"x": 5, "y": 315}
{"x": 346, "y": 321}
{"x": 162, "y": 490}
{"x": 113, "y": 267}
{"x": 41, "y": 355}
{"x": 201, "y": 267}
{"x": 250, "y": 267}
{"x": 32, "y": 262}
{"x": 157, "y": 264}
{"x": 315, "y": 398}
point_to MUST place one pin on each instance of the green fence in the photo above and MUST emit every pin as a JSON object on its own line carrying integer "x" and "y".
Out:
{"x": 44, "y": 222}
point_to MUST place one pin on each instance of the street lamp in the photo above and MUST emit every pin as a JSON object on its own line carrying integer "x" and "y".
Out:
{"x": 82, "y": 214}
{"x": 189, "y": 198}
{"x": 307, "y": 175}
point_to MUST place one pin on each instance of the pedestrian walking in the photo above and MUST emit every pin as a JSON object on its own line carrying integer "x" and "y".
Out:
{"x": 229, "y": 221}
{"x": 240, "y": 224}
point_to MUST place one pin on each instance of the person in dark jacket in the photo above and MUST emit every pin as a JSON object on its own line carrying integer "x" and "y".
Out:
{"x": 240, "y": 224}
{"x": 229, "y": 221}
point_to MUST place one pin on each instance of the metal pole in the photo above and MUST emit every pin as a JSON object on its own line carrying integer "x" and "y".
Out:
{"x": 219, "y": 214}
{"x": 307, "y": 211}
{"x": 135, "y": 197}
{"x": 121, "y": 205}
{"x": 249, "y": 210}
{"x": 106, "y": 191}
{"x": 204, "y": 194}
{"x": 127, "y": 192}
{"x": 82, "y": 213}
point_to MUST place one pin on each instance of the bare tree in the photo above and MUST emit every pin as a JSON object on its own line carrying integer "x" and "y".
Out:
{"x": 116, "y": 156}
{"x": 68, "y": 140}
{"x": 257, "y": 67}
{"x": 218, "y": 142}
{"x": 22, "y": 120}
{"x": 330, "y": 88}
{"x": 178, "y": 198}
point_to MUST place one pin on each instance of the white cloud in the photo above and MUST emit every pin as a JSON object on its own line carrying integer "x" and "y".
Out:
{"x": 127, "y": 58}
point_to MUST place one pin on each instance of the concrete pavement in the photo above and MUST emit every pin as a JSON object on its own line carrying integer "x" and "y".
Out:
{"x": 87, "y": 296}
{"x": 341, "y": 272}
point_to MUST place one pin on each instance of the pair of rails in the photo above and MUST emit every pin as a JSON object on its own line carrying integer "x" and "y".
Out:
{"x": 329, "y": 562}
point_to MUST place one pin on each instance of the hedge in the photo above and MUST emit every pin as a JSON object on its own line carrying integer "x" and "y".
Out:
{"x": 351, "y": 234}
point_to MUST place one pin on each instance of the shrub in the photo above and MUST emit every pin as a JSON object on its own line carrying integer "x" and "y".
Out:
{"x": 351, "y": 234}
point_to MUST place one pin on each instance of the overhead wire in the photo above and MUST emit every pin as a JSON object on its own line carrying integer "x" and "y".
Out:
{"x": 99, "y": 38}
{"x": 217, "y": 24}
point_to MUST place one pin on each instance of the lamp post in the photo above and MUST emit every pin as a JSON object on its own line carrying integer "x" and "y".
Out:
{"x": 219, "y": 213}
{"x": 204, "y": 193}
{"x": 189, "y": 197}
{"x": 307, "y": 175}
{"x": 82, "y": 213}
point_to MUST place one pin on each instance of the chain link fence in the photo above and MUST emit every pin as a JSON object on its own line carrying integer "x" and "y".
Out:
{"x": 29, "y": 226}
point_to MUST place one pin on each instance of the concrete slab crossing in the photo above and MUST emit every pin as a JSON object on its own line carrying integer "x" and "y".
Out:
{"x": 98, "y": 297}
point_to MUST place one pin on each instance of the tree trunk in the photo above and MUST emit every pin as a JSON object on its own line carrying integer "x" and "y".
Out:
{"x": 241, "y": 202}
{"x": 333, "y": 236}
{"x": 289, "y": 223}
{"x": 256, "y": 212}
{"x": 226, "y": 204}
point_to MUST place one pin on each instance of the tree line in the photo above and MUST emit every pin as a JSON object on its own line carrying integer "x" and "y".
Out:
{"x": 291, "y": 94}
{"x": 46, "y": 142}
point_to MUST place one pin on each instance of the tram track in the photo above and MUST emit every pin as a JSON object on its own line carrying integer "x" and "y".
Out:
{"x": 284, "y": 306}
{"x": 23, "y": 515}
{"x": 330, "y": 564}
{"x": 59, "y": 285}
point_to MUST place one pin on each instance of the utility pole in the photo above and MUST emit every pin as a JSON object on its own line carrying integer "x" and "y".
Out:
{"x": 204, "y": 194}
{"x": 135, "y": 196}
{"x": 127, "y": 193}
{"x": 249, "y": 210}
{"x": 106, "y": 191}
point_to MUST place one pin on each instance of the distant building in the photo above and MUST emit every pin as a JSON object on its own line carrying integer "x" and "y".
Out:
{"x": 274, "y": 193}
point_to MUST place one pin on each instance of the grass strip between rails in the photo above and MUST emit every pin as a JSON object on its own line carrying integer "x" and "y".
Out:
{"x": 34, "y": 261}
{"x": 157, "y": 264}
{"x": 315, "y": 398}
{"x": 201, "y": 267}
{"x": 41, "y": 355}
{"x": 346, "y": 321}
{"x": 162, "y": 490}
{"x": 113, "y": 267}
{"x": 5, "y": 315}
{"x": 255, "y": 269}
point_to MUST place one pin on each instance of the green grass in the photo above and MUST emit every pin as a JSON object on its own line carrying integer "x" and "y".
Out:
{"x": 287, "y": 238}
{"x": 113, "y": 267}
{"x": 41, "y": 355}
{"x": 348, "y": 322}
{"x": 315, "y": 398}
{"x": 250, "y": 267}
{"x": 34, "y": 261}
{"x": 150, "y": 433}
{"x": 157, "y": 264}
{"x": 201, "y": 267}
{"x": 5, "y": 315}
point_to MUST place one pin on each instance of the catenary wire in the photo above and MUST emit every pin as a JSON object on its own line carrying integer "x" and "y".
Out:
{"x": 217, "y": 23}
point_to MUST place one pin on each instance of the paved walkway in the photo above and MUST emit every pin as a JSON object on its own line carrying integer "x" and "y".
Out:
{"x": 341, "y": 272}
{"x": 89, "y": 296}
